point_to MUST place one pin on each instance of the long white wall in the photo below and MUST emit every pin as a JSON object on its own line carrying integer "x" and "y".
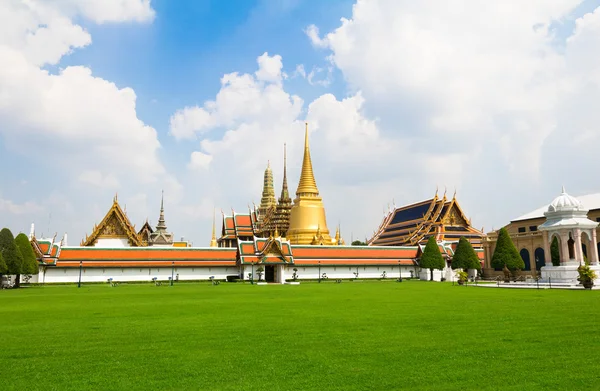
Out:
{"x": 71, "y": 275}
{"x": 57, "y": 275}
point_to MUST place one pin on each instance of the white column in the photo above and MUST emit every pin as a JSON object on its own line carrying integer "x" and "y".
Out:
{"x": 578, "y": 245}
{"x": 547, "y": 252}
{"x": 593, "y": 248}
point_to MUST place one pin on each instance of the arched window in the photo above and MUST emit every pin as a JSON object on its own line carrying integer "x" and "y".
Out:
{"x": 571, "y": 244}
{"x": 540, "y": 258}
{"x": 525, "y": 255}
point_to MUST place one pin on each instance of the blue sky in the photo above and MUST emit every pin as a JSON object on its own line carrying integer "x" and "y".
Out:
{"x": 418, "y": 96}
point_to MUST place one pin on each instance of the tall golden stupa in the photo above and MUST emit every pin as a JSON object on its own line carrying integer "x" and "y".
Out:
{"x": 308, "y": 224}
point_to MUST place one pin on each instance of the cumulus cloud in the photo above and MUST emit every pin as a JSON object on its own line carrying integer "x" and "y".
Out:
{"x": 84, "y": 127}
{"x": 481, "y": 91}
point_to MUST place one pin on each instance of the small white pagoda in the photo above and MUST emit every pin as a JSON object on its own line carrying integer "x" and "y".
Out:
{"x": 566, "y": 219}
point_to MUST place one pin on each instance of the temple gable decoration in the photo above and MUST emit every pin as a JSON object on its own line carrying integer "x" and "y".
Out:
{"x": 115, "y": 225}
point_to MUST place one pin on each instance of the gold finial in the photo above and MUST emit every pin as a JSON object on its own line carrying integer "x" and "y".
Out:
{"x": 213, "y": 240}
{"x": 454, "y": 196}
{"x": 276, "y": 232}
{"x": 307, "y": 183}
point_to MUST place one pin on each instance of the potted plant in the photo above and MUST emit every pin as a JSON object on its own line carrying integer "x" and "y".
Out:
{"x": 586, "y": 276}
{"x": 260, "y": 271}
{"x": 462, "y": 277}
{"x": 295, "y": 275}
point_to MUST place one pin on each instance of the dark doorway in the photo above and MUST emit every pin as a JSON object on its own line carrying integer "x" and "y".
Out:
{"x": 540, "y": 258}
{"x": 270, "y": 273}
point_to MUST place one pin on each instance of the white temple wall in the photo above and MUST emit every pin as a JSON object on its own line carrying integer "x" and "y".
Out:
{"x": 112, "y": 243}
{"x": 62, "y": 275}
{"x": 282, "y": 273}
{"x": 347, "y": 272}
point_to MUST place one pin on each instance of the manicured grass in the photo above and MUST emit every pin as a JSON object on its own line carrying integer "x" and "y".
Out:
{"x": 349, "y": 336}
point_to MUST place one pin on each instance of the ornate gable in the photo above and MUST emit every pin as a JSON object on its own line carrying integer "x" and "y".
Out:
{"x": 115, "y": 224}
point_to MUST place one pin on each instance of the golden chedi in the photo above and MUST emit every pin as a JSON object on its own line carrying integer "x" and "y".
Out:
{"x": 307, "y": 217}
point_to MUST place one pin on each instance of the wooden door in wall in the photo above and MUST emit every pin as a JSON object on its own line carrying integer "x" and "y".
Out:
{"x": 270, "y": 273}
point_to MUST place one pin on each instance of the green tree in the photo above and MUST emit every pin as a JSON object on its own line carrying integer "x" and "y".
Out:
{"x": 432, "y": 257}
{"x": 11, "y": 254}
{"x": 358, "y": 243}
{"x": 30, "y": 263}
{"x": 3, "y": 267}
{"x": 555, "y": 252}
{"x": 465, "y": 256}
{"x": 506, "y": 253}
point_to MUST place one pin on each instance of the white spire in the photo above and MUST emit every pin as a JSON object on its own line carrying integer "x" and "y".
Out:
{"x": 32, "y": 231}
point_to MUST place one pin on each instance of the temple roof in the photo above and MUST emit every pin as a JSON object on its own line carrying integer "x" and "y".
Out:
{"x": 412, "y": 224}
{"x": 114, "y": 224}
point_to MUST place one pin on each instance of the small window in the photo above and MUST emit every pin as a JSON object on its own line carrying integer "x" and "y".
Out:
{"x": 598, "y": 219}
{"x": 533, "y": 228}
{"x": 521, "y": 229}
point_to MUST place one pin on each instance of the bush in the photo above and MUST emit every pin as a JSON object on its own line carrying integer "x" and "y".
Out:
{"x": 506, "y": 253}
{"x": 10, "y": 252}
{"x": 30, "y": 264}
{"x": 555, "y": 252}
{"x": 432, "y": 257}
{"x": 465, "y": 256}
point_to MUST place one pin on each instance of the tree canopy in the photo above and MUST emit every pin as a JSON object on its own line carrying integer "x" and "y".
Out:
{"x": 465, "y": 256}
{"x": 506, "y": 253}
{"x": 432, "y": 257}
{"x": 30, "y": 264}
{"x": 358, "y": 243}
{"x": 10, "y": 252}
{"x": 3, "y": 267}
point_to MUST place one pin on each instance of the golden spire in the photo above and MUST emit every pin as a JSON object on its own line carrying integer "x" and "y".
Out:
{"x": 307, "y": 184}
{"x": 213, "y": 240}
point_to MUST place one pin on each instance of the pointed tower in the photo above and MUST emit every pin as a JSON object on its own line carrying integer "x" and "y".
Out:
{"x": 307, "y": 216}
{"x": 213, "y": 240}
{"x": 160, "y": 237}
{"x": 268, "y": 199}
{"x": 284, "y": 204}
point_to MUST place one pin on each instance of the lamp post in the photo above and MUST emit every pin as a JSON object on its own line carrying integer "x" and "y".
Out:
{"x": 399, "y": 272}
{"x": 172, "y": 271}
{"x": 319, "y": 272}
{"x": 252, "y": 279}
{"x": 80, "y": 267}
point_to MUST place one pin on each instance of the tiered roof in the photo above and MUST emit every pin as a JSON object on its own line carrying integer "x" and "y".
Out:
{"x": 273, "y": 250}
{"x": 414, "y": 224}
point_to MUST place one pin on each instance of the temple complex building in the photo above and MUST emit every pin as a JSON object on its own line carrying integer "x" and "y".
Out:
{"x": 529, "y": 232}
{"x": 280, "y": 241}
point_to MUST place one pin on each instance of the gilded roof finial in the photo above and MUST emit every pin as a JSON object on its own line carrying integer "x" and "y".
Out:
{"x": 285, "y": 194}
{"x": 276, "y": 232}
{"x": 213, "y": 240}
{"x": 454, "y": 196}
{"x": 307, "y": 184}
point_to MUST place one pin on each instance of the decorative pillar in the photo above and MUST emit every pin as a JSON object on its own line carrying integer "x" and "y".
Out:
{"x": 594, "y": 248}
{"x": 578, "y": 245}
{"x": 564, "y": 248}
{"x": 547, "y": 252}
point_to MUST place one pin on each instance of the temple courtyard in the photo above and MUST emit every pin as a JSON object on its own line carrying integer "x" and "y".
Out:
{"x": 354, "y": 335}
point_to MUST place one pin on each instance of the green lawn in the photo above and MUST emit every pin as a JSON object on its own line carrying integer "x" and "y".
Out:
{"x": 367, "y": 335}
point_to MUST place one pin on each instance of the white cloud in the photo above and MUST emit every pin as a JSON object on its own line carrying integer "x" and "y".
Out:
{"x": 87, "y": 119}
{"x": 269, "y": 68}
{"x": 97, "y": 178}
{"x": 82, "y": 131}
{"x": 479, "y": 92}
{"x": 28, "y": 207}
{"x": 199, "y": 161}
